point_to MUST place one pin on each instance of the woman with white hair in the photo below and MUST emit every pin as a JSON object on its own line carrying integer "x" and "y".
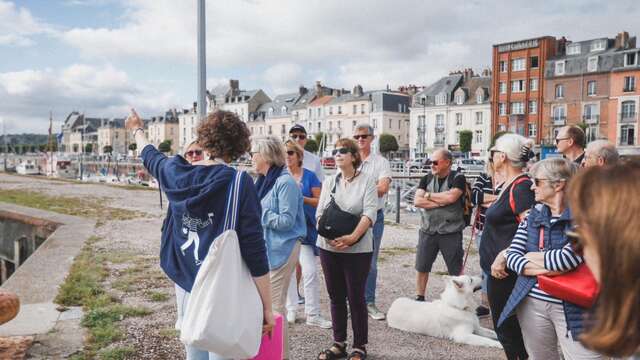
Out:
{"x": 509, "y": 157}
{"x": 283, "y": 218}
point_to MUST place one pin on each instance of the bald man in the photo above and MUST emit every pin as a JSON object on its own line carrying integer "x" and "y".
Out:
{"x": 600, "y": 153}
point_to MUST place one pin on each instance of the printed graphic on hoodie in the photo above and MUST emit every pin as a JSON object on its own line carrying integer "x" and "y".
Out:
{"x": 190, "y": 227}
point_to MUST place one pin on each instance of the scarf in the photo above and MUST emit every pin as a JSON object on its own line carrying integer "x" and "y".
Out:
{"x": 265, "y": 182}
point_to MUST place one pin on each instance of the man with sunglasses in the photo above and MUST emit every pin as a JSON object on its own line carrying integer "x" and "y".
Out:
{"x": 570, "y": 142}
{"x": 310, "y": 161}
{"x": 442, "y": 212}
{"x": 378, "y": 168}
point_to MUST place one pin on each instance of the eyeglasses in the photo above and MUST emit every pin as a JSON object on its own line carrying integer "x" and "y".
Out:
{"x": 364, "y": 136}
{"x": 298, "y": 136}
{"x": 341, "y": 151}
{"x": 291, "y": 152}
{"x": 574, "y": 239}
{"x": 560, "y": 139}
{"x": 537, "y": 181}
{"x": 491, "y": 154}
{"x": 192, "y": 153}
{"x": 434, "y": 163}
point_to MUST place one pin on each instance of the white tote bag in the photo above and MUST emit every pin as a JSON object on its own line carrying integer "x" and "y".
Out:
{"x": 224, "y": 310}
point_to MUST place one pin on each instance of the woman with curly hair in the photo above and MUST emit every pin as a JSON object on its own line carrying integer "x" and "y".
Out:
{"x": 198, "y": 196}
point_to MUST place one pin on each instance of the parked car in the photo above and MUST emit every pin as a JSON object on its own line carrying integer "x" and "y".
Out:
{"x": 469, "y": 165}
{"x": 418, "y": 164}
{"x": 328, "y": 162}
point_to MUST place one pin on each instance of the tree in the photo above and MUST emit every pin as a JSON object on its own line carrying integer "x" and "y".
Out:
{"x": 88, "y": 148}
{"x": 388, "y": 143}
{"x": 165, "y": 146}
{"x": 465, "y": 140}
{"x": 133, "y": 147}
{"x": 107, "y": 149}
{"x": 495, "y": 137}
{"x": 318, "y": 136}
{"x": 311, "y": 146}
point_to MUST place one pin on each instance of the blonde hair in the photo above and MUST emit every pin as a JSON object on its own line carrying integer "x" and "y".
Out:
{"x": 291, "y": 145}
{"x": 604, "y": 203}
{"x": 516, "y": 147}
{"x": 271, "y": 149}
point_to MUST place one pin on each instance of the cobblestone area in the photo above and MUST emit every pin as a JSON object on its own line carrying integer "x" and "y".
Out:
{"x": 137, "y": 241}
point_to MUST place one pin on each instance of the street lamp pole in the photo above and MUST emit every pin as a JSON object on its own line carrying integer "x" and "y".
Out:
{"x": 6, "y": 146}
{"x": 202, "y": 61}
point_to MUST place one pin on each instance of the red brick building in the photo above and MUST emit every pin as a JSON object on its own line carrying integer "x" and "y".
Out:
{"x": 518, "y": 85}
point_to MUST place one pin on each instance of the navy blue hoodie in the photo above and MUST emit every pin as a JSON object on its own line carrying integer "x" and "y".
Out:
{"x": 197, "y": 205}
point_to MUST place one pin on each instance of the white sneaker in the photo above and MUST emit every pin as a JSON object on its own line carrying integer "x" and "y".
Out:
{"x": 319, "y": 321}
{"x": 374, "y": 313}
{"x": 291, "y": 317}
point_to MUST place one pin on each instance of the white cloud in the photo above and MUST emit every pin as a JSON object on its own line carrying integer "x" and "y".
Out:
{"x": 27, "y": 96}
{"x": 18, "y": 26}
{"x": 282, "y": 77}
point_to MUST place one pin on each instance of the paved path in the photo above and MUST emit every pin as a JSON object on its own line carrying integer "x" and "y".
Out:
{"x": 152, "y": 337}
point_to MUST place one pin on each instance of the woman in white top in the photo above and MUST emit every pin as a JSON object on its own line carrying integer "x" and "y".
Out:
{"x": 346, "y": 260}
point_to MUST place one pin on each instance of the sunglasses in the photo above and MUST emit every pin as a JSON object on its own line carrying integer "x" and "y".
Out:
{"x": 341, "y": 151}
{"x": 574, "y": 239}
{"x": 358, "y": 137}
{"x": 560, "y": 139}
{"x": 299, "y": 137}
{"x": 192, "y": 153}
{"x": 434, "y": 163}
{"x": 291, "y": 152}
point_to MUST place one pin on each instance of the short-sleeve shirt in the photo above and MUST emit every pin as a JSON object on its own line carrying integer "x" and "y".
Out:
{"x": 309, "y": 181}
{"x": 312, "y": 162}
{"x": 377, "y": 167}
{"x": 500, "y": 221}
{"x": 459, "y": 182}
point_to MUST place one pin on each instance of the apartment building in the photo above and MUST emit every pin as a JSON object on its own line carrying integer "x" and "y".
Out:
{"x": 624, "y": 103}
{"x": 163, "y": 128}
{"x": 112, "y": 133}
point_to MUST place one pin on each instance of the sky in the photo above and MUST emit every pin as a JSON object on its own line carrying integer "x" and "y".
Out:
{"x": 102, "y": 57}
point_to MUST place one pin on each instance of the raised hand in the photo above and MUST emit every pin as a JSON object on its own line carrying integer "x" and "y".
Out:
{"x": 133, "y": 121}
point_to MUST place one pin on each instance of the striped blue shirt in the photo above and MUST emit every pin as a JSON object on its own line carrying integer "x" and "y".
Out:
{"x": 482, "y": 185}
{"x": 554, "y": 260}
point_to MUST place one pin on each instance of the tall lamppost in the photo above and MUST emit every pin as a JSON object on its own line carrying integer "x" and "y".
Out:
{"x": 202, "y": 62}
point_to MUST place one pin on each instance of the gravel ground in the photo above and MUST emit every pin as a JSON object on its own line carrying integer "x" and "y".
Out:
{"x": 152, "y": 336}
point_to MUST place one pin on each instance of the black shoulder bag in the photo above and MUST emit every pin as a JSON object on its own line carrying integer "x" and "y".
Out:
{"x": 334, "y": 221}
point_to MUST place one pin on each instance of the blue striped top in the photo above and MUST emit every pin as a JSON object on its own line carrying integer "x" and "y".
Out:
{"x": 554, "y": 260}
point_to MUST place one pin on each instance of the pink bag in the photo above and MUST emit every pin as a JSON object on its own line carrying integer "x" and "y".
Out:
{"x": 272, "y": 348}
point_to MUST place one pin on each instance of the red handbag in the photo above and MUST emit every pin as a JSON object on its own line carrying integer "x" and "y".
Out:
{"x": 577, "y": 286}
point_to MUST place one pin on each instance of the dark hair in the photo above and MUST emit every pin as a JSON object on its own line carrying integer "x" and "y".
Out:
{"x": 576, "y": 134}
{"x": 601, "y": 203}
{"x": 223, "y": 134}
{"x": 353, "y": 149}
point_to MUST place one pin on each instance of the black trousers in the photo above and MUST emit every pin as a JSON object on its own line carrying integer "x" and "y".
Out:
{"x": 509, "y": 333}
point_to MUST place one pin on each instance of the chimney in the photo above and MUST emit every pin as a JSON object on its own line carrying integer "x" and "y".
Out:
{"x": 318, "y": 88}
{"x": 235, "y": 87}
{"x": 622, "y": 40}
{"x": 302, "y": 90}
{"x": 357, "y": 90}
{"x": 195, "y": 107}
{"x": 562, "y": 45}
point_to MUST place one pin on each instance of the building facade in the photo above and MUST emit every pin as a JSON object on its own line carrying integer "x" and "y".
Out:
{"x": 624, "y": 103}
{"x": 112, "y": 133}
{"x": 163, "y": 128}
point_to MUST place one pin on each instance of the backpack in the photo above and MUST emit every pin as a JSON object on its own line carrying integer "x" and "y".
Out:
{"x": 465, "y": 198}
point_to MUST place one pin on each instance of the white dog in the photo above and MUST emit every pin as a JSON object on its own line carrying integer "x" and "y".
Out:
{"x": 452, "y": 317}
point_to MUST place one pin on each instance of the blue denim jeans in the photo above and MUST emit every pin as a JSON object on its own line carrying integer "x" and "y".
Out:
{"x": 378, "y": 229}
{"x": 192, "y": 353}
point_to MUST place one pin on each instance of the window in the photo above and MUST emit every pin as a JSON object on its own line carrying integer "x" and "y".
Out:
{"x": 532, "y": 131}
{"x": 518, "y": 64}
{"x": 503, "y": 66}
{"x": 339, "y": 109}
{"x": 330, "y": 125}
{"x": 628, "y": 109}
{"x": 533, "y": 84}
{"x": 517, "y": 86}
{"x": 375, "y": 124}
{"x": 362, "y": 108}
{"x": 270, "y": 132}
{"x": 560, "y": 67}
{"x": 439, "y": 121}
{"x": 573, "y": 49}
{"x": 533, "y": 107}
{"x": 479, "y": 98}
{"x": 390, "y": 124}
{"x": 319, "y": 112}
{"x": 517, "y": 108}
{"x": 319, "y": 126}
{"x": 478, "y": 118}
{"x": 627, "y": 134}
{"x": 502, "y": 109}
{"x": 590, "y": 113}
{"x": 503, "y": 88}
{"x": 331, "y": 110}
{"x": 458, "y": 119}
{"x": 270, "y": 111}
{"x": 559, "y": 114}
{"x": 310, "y": 113}
{"x": 559, "y": 91}
{"x": 598, "y": 45}
{"x": 629, "y": 83}
{"x": 355, "y": 109}
{"x": 630, "y": 59}
{"x": 460, "y": 99}
{"x": 592, "y": 64}
{"x": 478, "y": 136}
{"x": 353, "y": 124}
{"x": 534, "y": 62}
{"x": 441, "y": 99}
{"x": 399, "y": 124}
{"x": 283, "y": 129}
{"x": 591, "y": 88}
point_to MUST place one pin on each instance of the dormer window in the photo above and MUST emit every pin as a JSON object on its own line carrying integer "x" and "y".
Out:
{"x": 592, "y": 64}
{"x": 460, "y": 99}
{"x": 270, "y": 111}
{"x": 573, "y": 49}
{"x": 479, "y": 98}
{"x": 560, "y": 67}
{"x": 284, "y": 109}
{"x": 631, "y": 59}
{"x": 598, "y": 45}
{"x": 441, "y": 99}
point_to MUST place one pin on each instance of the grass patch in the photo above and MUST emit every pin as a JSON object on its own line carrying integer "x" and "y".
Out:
{"x": 116, "y": 353}
{"x": 169, "y": 333}
{"x": 157, "y": 296}
{"x": 94, "y": 208}
{"x": 83, "y": 286}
